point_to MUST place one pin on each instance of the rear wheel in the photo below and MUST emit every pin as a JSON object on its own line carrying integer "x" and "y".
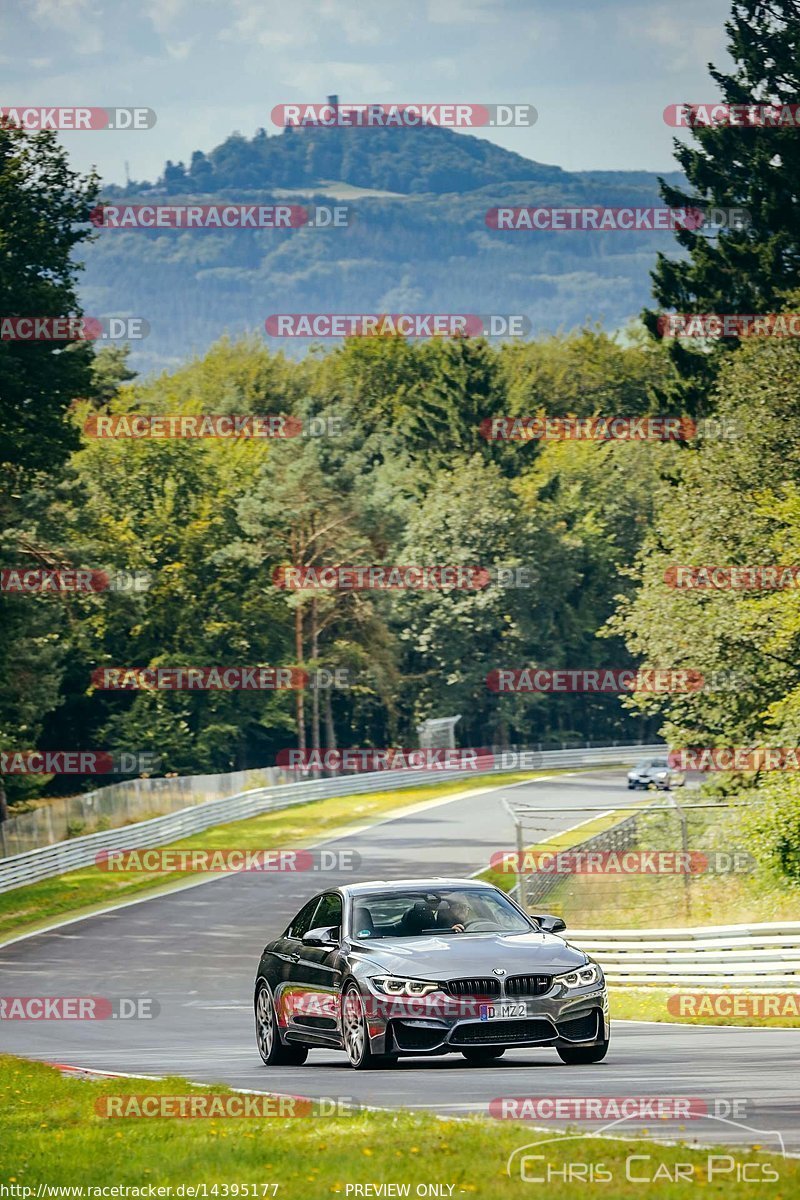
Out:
{"x": 270, "y": 1047}
{"x": 583, "y": 1055}
{"x": 481, "y": 1056}
{"x": 356, "y": 1035}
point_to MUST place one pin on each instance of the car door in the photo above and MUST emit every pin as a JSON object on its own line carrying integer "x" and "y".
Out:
{"x": 285, "y": 954}
{"x": 319, "y": 976}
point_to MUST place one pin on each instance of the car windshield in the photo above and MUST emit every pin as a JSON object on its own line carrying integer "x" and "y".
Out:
{"x": 414, "y": 913}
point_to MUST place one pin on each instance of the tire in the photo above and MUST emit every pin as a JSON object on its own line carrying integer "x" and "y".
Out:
{"x": 631, "y": 787}
{"x": 270, "y": 1047}
{"x": 356, "y": 1036}
{"x": 578, "y": 1056}
{"x": 482, "y": 1056}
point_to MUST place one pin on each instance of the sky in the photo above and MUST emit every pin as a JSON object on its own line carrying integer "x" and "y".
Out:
{"x": 599, "y": 72}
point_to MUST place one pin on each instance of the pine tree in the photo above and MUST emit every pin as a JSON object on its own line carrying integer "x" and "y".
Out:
{"x": 750, "y": 269}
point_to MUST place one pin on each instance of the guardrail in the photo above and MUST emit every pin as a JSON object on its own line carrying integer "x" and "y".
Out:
{"x": 19, "y": 869}
{"x": 746, "y": 956}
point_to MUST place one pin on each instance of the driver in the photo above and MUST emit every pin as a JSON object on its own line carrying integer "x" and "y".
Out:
{"x": 455, "y": 913}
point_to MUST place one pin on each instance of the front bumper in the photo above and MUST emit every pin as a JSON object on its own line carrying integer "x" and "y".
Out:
{"x": 440, "y": 1024}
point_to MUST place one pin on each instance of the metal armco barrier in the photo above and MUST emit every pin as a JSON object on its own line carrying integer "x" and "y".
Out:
{"x": 743, "y": 956}
{"x": 19, "y": 869}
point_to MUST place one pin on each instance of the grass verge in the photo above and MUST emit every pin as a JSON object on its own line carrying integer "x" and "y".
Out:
{"x": 51, "y": 1134}
{"x": 651, "y": 1004}
{"x": 89, "y": 888}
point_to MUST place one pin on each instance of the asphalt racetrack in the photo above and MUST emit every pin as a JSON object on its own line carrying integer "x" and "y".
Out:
{"x": 196, "y": 951}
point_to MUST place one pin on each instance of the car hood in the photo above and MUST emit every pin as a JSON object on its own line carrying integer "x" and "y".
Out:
{"x": 463, "y": 955}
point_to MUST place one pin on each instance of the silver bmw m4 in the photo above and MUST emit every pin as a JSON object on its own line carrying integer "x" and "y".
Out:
{"x": 426, "y": 967}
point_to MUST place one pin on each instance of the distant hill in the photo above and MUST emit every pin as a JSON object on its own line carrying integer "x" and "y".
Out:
{"x": 419, "y": 242}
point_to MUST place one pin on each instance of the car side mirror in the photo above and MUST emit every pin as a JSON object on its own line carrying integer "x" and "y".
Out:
{"x": 325, "y": 935}
{"x": 549, "y": 923}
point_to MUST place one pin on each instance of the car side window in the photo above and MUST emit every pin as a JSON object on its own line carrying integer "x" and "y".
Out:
{"x": 302, "y": 922}
{"x": 329, "y": 911}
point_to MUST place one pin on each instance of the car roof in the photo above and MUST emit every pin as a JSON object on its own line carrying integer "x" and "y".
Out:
{"x": 404, "y": 885}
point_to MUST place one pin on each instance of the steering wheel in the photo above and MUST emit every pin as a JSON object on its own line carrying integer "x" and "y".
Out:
{"x": 481, "y": 926}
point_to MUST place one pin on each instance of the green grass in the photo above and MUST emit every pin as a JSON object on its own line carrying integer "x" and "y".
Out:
{"x": 650, "y": 1004}
{"x": 77, "y": 892}
{"x": 50, "y": 1133}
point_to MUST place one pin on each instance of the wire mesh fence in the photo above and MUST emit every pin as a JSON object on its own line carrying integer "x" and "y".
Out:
{"x": 124, "y": 803}
{"x": 666, "y": 861}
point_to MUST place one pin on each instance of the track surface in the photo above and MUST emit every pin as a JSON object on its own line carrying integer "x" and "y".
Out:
{"x": 196, "y": 953}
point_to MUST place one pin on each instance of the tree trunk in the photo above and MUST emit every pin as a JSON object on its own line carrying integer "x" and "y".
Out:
{"x": 315, "y": 743}
{"x": 330, "y": 731}
{"x": 315, "y": 687}
{"x": 300, "y": 692}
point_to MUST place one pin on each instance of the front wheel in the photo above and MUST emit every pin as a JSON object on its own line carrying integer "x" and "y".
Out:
{"x": 356, "y": 1035}
{"x": 583, "y": 1055}
{"x": 481, "y": 1056}
{"x": 270, "y": 1047}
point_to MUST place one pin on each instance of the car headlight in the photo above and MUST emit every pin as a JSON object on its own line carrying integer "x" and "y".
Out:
{"x": 663, "y": 774}
{"x": 392, "y": 985}
{"x": 583, "y": 977}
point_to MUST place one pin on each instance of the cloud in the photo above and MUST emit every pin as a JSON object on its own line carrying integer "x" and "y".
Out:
{"x": 79, "y": 17}
{"x": 352, "y": 80}
{"x": 669, "y": 30}
{"x": 461, "y": 12}
{"x": 164, "y": 13}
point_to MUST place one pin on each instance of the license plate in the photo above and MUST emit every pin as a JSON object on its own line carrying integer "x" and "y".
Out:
{"x": 501, "y": 1012}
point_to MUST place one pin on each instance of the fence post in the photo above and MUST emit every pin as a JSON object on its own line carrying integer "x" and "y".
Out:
{"x": 520, "y": 888}
{"x": 687, "y": 882}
